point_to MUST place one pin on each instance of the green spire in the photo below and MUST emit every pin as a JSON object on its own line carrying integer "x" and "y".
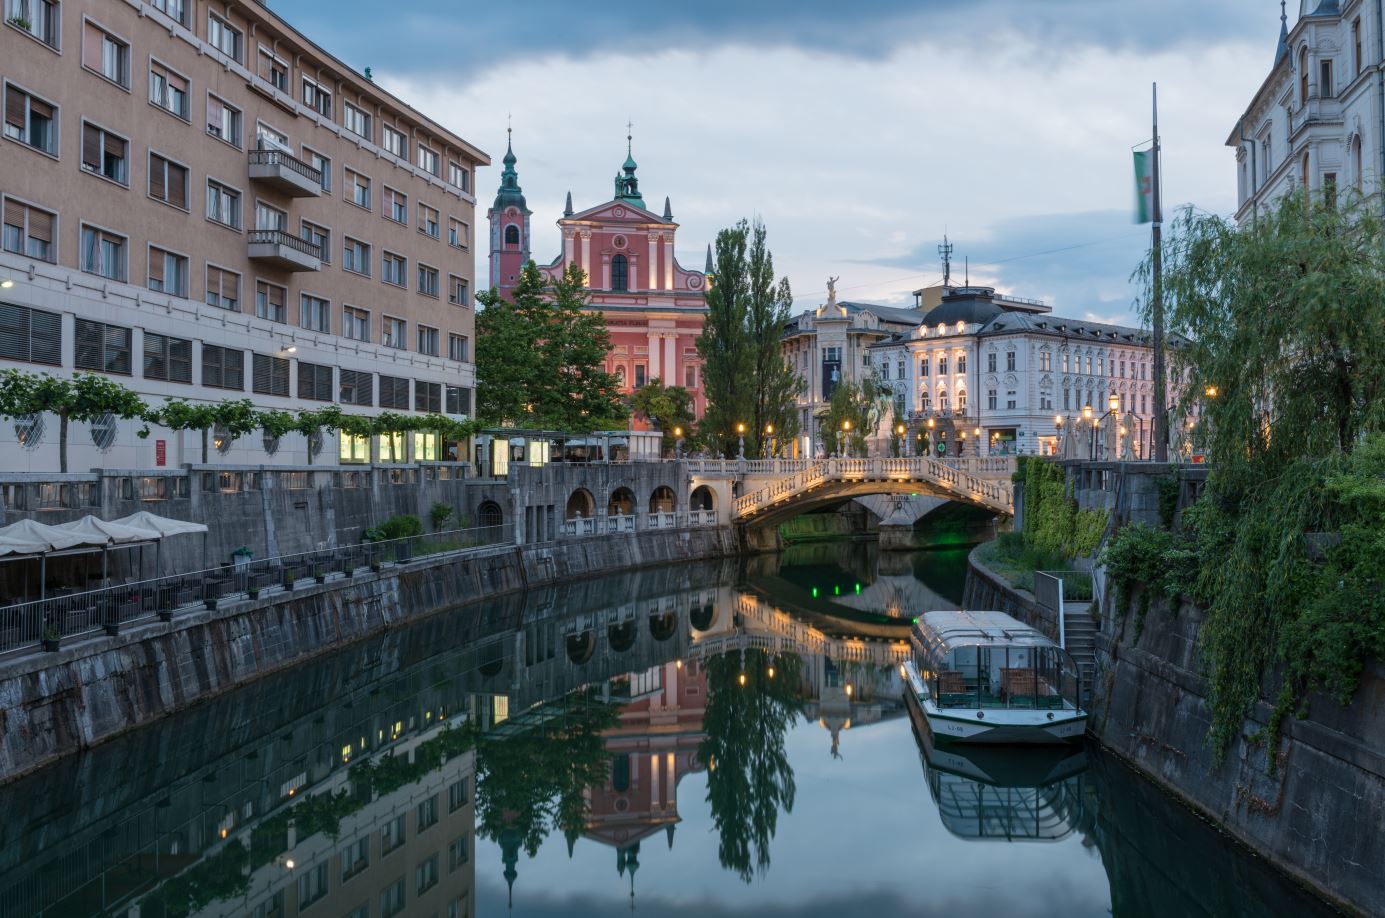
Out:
{"x": 627, "y": 186}
{"x": 510, "y": 192}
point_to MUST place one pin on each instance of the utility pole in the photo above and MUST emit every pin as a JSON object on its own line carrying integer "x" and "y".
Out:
{"x": 1161, "y": 414}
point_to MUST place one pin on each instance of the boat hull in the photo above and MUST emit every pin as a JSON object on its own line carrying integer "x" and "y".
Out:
{"x": 994, "y": 725}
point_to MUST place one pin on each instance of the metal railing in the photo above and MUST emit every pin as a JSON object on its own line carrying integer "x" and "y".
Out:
{"x": 993, "y": 493}
{"x": 280, "y": 237}
{"x": 113, "y": 607}
{"x": 288, "y": 160}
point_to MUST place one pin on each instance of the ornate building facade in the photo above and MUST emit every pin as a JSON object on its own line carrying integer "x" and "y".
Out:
{"x": 1318, "y": 119}
{"x": 654, "y": 308}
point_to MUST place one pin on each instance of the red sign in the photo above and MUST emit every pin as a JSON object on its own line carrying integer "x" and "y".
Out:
{"x": 160, "y": 452}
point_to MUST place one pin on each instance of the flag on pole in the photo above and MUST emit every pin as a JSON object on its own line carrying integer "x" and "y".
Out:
{"x": 1144, "y": 186}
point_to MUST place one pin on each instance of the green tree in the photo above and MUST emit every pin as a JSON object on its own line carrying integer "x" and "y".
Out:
{"x": 82, "y": 397}
{"x": 749, "y": 778}
{"x": 728, "y": 360}
{"x": 858, "y": 403}
{"x": 666, "y": 407}
{"x": 544, "y": 361}
{"x": 178, "y": 415}
{"x": 776, "y": 384}
{"x": 1281, "y": 322}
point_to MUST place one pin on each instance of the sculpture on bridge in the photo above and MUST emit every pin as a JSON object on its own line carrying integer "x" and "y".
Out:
{"x": 832, "y": 290}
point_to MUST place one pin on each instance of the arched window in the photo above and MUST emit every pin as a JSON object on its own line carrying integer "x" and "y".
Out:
{"x": 1303, "y": 75}
{"x": 512, "y": 235}
{"x": 925, "y": 400}
{"x": 962, "y": 400}
{"x": 1356, "y": 176}
{"x": 942, "y": 401}
{"x": 620, "y": 273}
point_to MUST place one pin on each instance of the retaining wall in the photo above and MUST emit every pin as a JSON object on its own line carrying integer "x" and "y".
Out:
{"x": 56, "y": 704}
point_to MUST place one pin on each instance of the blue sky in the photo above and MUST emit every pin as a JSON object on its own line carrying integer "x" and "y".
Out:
{"x": 859, "y": 134}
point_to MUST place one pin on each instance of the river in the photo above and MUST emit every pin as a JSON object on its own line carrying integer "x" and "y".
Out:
{"x": 709, "y": 739}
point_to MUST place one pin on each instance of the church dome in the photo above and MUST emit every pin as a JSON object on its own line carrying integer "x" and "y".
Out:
{"x": 510, "y": 193}
{"x": 972, "y": 305}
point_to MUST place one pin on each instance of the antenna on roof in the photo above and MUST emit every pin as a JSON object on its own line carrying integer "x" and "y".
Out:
{"x": 945, "y": 252}
{"x": 966, "y": 266}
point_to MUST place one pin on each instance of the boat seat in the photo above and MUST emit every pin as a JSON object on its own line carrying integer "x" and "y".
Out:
{"x": 951, "y": 682}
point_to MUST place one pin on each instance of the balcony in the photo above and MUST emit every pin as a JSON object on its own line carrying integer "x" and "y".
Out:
{"x": 286, "y": 173}
{"x": 282, "y": 250}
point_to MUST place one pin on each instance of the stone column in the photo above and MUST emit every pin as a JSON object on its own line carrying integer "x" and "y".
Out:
{"x": 653, "y": 282}
{"x": 655, "y": 343}
{"x": 587, "y": 256}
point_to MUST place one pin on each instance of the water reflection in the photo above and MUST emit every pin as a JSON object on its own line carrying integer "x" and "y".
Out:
{"x": 565, "y": 742}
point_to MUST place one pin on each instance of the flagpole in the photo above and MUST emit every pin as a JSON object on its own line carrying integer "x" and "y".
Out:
{"x": 1161, "y": 416}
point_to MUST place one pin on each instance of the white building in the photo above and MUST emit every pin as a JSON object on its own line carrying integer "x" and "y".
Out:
{"x": 1318, "y": 119}
{"x": 989, "y": 375}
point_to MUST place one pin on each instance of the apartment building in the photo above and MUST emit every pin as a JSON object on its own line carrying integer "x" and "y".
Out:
{"x": 200, "y": 202}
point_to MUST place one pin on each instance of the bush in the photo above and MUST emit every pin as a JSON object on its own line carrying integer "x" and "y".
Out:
{"x": 439, "y": 515}
{"x": 396, "y": 527}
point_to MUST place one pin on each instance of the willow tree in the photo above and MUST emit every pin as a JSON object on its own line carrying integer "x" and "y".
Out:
{"x": 1283, "y": 356}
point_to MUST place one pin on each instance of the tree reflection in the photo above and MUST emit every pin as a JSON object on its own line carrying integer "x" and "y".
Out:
{"x": 530, "y": 781}
{"x": 748, "y": 773}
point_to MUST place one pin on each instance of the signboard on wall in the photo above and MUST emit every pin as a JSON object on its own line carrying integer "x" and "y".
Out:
{"x": 161, "y": 452}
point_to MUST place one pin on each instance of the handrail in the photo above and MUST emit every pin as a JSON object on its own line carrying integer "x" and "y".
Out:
{"x": 281, "y": 158}
{"x": 279, "y": 237}
{"x": 993, "y": 493}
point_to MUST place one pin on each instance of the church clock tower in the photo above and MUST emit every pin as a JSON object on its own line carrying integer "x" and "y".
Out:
{"x": 509, "y": 224}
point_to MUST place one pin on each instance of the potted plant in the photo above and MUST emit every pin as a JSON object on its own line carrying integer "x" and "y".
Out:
{"x": 240, "y": 558}
{"x": 290, "y": 577}
{"x": 20, "y": 21}
{"x": 52, "y": 637}
{"x": 253, "y": 592}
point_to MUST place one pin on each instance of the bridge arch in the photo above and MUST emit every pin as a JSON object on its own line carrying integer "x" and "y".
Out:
{"x": 580, "y": 647}
{"x": 663, "y": 626}
{"x": 703, "y": 617}
{"x": 580, "y": 503}
{"x": 621, "y": 636}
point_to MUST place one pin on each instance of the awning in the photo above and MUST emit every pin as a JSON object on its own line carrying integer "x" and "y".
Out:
{"x": 163, "y": 525}
{"x": 98, "y": 532}
{"x": 29, "y": 537}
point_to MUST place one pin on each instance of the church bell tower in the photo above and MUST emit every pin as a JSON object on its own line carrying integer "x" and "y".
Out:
{"x": 509, "y": 225}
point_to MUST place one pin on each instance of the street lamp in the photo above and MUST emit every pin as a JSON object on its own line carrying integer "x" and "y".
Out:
{"x": 740, "y": 434}
{"x": 976, "y": 435}
{"x": 1058, "y": 428}
{"x": 767, "y": 448}
{"x": 1210, "y": 391}
{"x": 678, "y": 443}
{"x": 1113, "y": 404}
{"x": 844, "y": 439}
{"x": 899, "y": 439}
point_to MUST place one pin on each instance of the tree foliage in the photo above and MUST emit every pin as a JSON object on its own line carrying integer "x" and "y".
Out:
{"x": 1285, "y": 317}
{"x": 543, "y": 364}
{"x": 82, "y": 397}
{"x": 861, "y": 405}
{"x": 744, "y": 373}
{"x": 666, "y": 407}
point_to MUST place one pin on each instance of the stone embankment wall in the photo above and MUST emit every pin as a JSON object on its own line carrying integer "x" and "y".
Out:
{"x": 91, "y": 690}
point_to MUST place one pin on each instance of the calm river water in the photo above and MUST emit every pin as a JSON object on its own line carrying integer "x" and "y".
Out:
{"x": 708, "y": 739}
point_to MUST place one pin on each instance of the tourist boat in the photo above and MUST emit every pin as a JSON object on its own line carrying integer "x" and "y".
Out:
{"x": 983, "y": 677}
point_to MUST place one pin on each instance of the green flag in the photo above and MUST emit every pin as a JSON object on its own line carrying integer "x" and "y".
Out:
{"x": 1144, "y": 186}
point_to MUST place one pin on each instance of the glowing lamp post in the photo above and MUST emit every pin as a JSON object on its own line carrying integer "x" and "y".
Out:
{"x": 767, "y": 448}
{"x": 740, "y": 435}
{"x": 678, "y": 443}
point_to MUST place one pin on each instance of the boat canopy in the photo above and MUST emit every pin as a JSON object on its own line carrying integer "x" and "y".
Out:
{"x": 949, "y": 630}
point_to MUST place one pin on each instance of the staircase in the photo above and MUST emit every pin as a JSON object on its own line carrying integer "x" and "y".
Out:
{"x": 1079, "y": 631}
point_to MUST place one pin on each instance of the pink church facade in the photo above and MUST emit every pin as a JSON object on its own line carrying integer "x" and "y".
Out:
{"x": 654, "y": 308}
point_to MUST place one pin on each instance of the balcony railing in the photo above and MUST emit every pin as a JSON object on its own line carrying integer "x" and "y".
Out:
{"x": 283, "y": 249}
{"x": 280, "y": 237}
{"x": 285, "y": 171}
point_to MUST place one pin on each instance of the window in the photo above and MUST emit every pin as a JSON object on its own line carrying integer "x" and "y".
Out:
{"x": 101, "y": 347}
{"x": 356, "y": 257}
{"x": 105, "y": 154}
{"x": 428, "y": 809}
{"x": 174, "y": 9}
{"x": 168, "y": 181}
{"x": 962, "y": 400}
{"x": 37, "y": 17}
{"x": 1009, "y": 361}
{"x": 392, "y": 899}
{"x": 321, "y": 164}
{"x": 428, "y": 220}
{"x": 166, "y": 358}
{"x": 689, "y": 377}
{"x": 961, "y": 363}
{"x": 1303, "y": 75}
{"x": 223, "y": 204}
{"x": 1101, "y": 366}
{"x": 942, "y": 365}
{"x": 315, "y": 313}
{"x": 394, "y": 393}
{"x": 355, "y": 323}
{"x": 1325, "y": 88}
{"x": 358, "y": 188}
{"x": 428, "y": 397}
{"x": 1065, "y": 361}
{"x": 223, "y": 367}
{"x": 274, "y": 69}
{"x": 925, "y": 400}
{"x": 943, "y": 403}
{"x": 458, "y": 795}
{"x": 428, "y": 161}
{"x": 268, "y": 217}
{"x": 392, "y": 834}
{"x": 223, "y": 288}
{"x": 317, "y": 97}
{"x": 512, "y": 235}
{"x": 885, "y": 370}
{"x": 428, "y": 340}
{"x": 620, "y": 273}
{"x": 355, "y": 120}
{"x": 457, "y": 348}
{"x": 168, "y": 90}
{"x": 168, "y": 272}
{"x": 459, "y": 175}
{"x": 355, "y": 857}
{"x": 269, "y": 301}
{"x": 1010, "y": 400}
{"x": 458, "y": 852}
{"x": 31, "y": 121}
{"x": 458, "y": 233}
{"x": 319, "y": 236}
{"x": 394, "y": 269}
{"x": 426, "y": 875}
{"x": 356, "y": 387}
{"x": 103, "y": 253}
{"x": 225, "y": 37}
{"x": 1046, "y": 362}
{"x": 30, "y": 335}
{"x": 427, "y": 280}
{"x": 314, "y": 381}
{"x": 990, "y": 399}
{"x": 273, "y": 907}
{"x": 394, "y": 142}
{"x": 270, "y": 375}
{"x": 224, "y": 120}
{"x": 395, "y": 205}
{"x": 1356, "y": 43}
{"x": 312, "y": 885}
{"x": 923, "y": 367}
{"x": 105, "y": 54}
{"x": 1089, "y": 364}
{"x": 639, "y": 375}
{"x": 392, "y": 332}
{"x": 29, "y": 231}
{"x": 1067, "y": 399}
{"x": 458, "y": 399}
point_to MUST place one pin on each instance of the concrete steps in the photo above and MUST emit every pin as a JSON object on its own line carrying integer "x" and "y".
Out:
{"x": 1080, "y": 633}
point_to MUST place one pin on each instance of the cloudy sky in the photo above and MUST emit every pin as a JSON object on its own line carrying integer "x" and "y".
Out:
{"x": 860, "y": 133}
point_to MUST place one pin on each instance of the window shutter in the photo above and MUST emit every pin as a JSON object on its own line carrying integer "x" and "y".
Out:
{"x": 91, "y": 147}
{"x": 261, "y": 374}
{"x": 177, "y": 186}
{"x": 155, "y": 358}
{"x": 117, "y": 345}
{"x": 87, "y": 355}
{"x": 14, "y": 332}
{"x": 14, "y": 213}
{"x": 157, "y": 170}
{"x": 41, "y": 226}
{"x": 42, "y": 109}
{"x": 14, "y": 107}
{"x": 92, "y": 47}
{"x": 156, "y": 267}
{"x": 214, "y": 110}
